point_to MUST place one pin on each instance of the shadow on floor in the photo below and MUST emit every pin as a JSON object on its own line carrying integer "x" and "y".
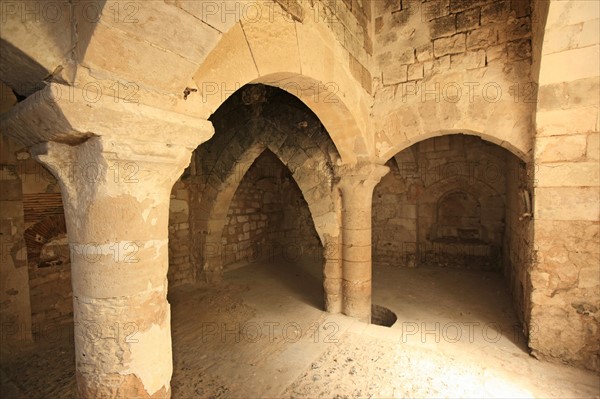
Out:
{"x": 301, "y": 277}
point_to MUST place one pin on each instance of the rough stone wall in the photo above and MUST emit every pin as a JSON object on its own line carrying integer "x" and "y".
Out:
{"x": 394, "y": 218}
{"x": 442, "y": 204}
{"x": 254, "y": 216}
{"x": 565, "y": 300}
{"x": 268, "y": 218}
{"x": 15, "y": 309}
{"x": 466, "y": 61}
{"x": 517, "y": 251}
{"x": 50, "y": 288}
{"x": 180, "y": 270}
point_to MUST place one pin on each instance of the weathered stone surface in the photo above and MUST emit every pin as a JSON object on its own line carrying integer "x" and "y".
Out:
{"x": 519, "y": 50}
{"x": 61, "y": 113}
{"x": 559, "y": 65}
{"x": 460, "y": 5}
{"x": 481, "y": 38}
{"x": 434, "y": 9}
{"x": 260, "y": 38}
{"x": 394, "y": 74}
{"x": 415, "y": 72}
{"x": 424, "y": 53}
{"x": 567, "y": 203}
{"x": 356, "y": 188}
{"x": 36, "y": 43}
{"x": 445, "y": 26}
{"x": 145, "y": 63}
{"x": 361, "y": 74}
{"x": 171, "y": 31}
{"x": 468, "y": 60}
{"x": 451, "y": 45}
{"x": 568, "y": 174}
{"x": 220, "y": 16}
{"x": 571, "y": 121}
{"x": 560, "y": 148}
{"x": 495, "y": 12}
{"x": 495, "y": 54}
{"x": 593, "y": 146}
{"x": 238, "y": 71}
{"x": 108, "y": 298}
{"x": 467, "y": 20}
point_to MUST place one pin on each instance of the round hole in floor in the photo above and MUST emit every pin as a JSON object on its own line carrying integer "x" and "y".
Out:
{"x": 382, "y": 316}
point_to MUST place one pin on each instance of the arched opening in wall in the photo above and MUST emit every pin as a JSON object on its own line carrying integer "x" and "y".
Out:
{"x": 254, "y": 213}
{"x": 257, "y": 120}
{"x": 269, "y": 226}
{"x": 450, "y": 229}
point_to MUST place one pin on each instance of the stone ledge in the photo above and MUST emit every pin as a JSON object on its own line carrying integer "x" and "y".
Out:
{"x": 66, "y": 114}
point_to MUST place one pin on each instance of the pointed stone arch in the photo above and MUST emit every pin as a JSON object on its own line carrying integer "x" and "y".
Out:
{"x": 310, "y": 172}
{"x": 304, "y": 59}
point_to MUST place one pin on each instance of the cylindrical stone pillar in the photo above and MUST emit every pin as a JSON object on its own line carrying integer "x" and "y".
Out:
{"x": 116, "y": 199}
{"x": 356, "y": 186}
{"x": 332, "y": 275}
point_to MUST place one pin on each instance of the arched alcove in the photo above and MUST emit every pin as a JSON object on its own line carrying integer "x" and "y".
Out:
{"x": 450, "y": 211}
{"x": 257, "y": 119}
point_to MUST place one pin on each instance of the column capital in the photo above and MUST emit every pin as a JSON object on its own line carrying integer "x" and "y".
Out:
{"x": 358, "y": 181}
{"x": 364, "y": 174}
{"x": 118, "y": 167}
{"x": 71, "y": 115}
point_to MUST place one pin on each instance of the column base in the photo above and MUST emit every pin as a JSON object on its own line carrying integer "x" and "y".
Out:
{"x": 117, "y": 386}
{"x": 357, "y": 300}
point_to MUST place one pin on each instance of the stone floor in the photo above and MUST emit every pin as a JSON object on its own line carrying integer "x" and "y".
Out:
{"x": 261, "y": 334}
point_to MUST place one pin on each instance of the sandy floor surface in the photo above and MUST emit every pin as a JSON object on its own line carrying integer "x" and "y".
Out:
{"x": 261, "y": 333}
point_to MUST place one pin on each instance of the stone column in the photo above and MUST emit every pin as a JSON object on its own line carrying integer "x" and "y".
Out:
{"x": 116, "y": 167}
{"x": 332, "y": 275}
{"x": 356, "y": 186}
{"x": 116, "y": 200}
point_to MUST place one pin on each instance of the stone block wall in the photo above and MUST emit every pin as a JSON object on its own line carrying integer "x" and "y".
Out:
{"x": 442, "y": 204}
{"x": 565, "y": 275}
{"x": 255, "y": 215}
{"x": 350, "y": 22}
{"x": 518, "y": 250}
{"x": 466, "y": 62}
{"x": 418, "y": 39}
{"x": 268, "y": 218}
{"x": 394, "y": 219}
{"x": 180, "y": 267}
